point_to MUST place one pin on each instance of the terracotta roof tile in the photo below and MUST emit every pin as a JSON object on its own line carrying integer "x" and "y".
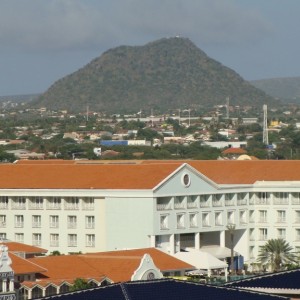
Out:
{"x": 24, "y": 266}
{"x": 118, "y": 266}
{"x": 73, "y": 176}
{"x": 20, "y": 247}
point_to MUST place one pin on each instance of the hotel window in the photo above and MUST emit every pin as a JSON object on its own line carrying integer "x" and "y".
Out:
{"x": 54, "y": 221}
{"x": 89, "y": 222}
{"x": 252, "y": 234}
{"x": 72, "y": 203}
{"x": 281, "y": 198}
{"x": 36, "y": 221}
{"x": 19, "y": 237}
{"x": 19, "y": 203}
{"x": 90, "y": 240}
{"x": 263, "y": 234}
{"x": 281, "y": 216}
{"x": 230, "y": 217}
{"x": 297, "y": 216}
{"x": 36, "y": 203}
{"x": 243, "y": 217}
{"x": 72, "y": 222}
{"x": 218, "y": 219}
{"x": 180, "y": 221}
{"x": 205, "y": 220}
{"x": 298, "y": 235}
{"x": 3, "y": 202}
{"x": 72, "y": 240}
{"x": 204, "y": 201}
{"x": 192, "y": 201}
{"x": 281, "y": 233}
{"x": 251, "y": 251}
{"x": 36, "y": 239}
{"x": 2, "y": 236}
{"x": 88, "y": 203}
{"x": 54, "y": 203}
{"x": 251, "y": 216}
{"x": 164, "y": 222}
{"x": 19, "y": 221}
{"x": 2, "y": 221}
{"x": 179, "y": 202}
{"x": 193, "y": 220}
{"x": 54, "y": 240}
{"x": 262, "y": 198}
{"x": 262, "y": 216}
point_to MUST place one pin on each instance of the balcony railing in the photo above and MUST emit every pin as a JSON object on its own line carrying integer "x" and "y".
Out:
{"x": 18, "y": 205}
{"x": 281, "y": 201}
{"x": 90, "y": 244}
{"x": 3, "y": 205}
{"x": 36, "y": 242}
{"x": 54, "y": 224}
{"x": 36, "y": 224}
{"x": 72, "y": 243}
{"x": 53, "y": 205}
{"x": 71, "y": 206}
{"x": 19, "y": 224}
{"x": 263, "y": 237}
{"x": 229, "y": 202}
{"x": 204, "y": 204}
{"x": 54, "y": 243}
{"x": 163, "y": 206}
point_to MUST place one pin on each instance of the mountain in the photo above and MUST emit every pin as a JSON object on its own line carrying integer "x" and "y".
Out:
{"x": 169, "y": 73}
{"x": 282, "y": 88}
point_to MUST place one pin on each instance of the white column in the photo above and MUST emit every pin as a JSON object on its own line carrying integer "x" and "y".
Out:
{"x": 4, "y": 285}
{"x": 152, "y": 241}
{"x": 222, "y": 238}
{"x": 11, "y": 285}
{"x": 197, "y": 241}
{"x": 172, "y": 244}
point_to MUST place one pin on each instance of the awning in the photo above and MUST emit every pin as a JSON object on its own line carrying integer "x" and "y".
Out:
{"x": 201, "y": 260}
{"x": 218, "y": 251}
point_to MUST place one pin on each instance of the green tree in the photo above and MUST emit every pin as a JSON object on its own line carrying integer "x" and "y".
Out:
{"x": 80, "y": 284}
{"x": 276, "y": 253}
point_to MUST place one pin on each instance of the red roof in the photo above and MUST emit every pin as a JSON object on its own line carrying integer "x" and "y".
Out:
{"x": 118, "y": 266}
{"x": 234, "y": 151}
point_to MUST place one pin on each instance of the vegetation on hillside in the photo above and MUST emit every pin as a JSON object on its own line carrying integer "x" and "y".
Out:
{"x": 170, "y": 73}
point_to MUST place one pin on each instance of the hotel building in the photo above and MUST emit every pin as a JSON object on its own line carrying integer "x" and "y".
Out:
{"x": 83, "y": 206}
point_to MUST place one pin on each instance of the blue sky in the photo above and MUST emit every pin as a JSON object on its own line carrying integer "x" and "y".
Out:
{"x": 42, "y": 41}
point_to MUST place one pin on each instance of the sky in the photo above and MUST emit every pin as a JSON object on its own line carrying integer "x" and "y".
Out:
{"x": 42, "y": 41}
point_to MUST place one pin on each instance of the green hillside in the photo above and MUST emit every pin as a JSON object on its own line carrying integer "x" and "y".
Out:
{"x": 282, "y": 88}
{"x": 168, "y": 73}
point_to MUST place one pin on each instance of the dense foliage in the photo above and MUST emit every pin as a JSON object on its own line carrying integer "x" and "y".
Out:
{"x": 275, "y": 254}
{"x": 170, "y": 73}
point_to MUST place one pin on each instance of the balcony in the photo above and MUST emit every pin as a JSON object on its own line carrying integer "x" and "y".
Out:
{"x": 36, "y": 206}
{"x": 166, "y": 206}
{"x": 281, "y": 220}
{"x": 56, "y": 206}
{"x": 229, "y": 202}
{"x": 71, "y": 206}
{"x": 90, "y": 244}
{"x": 15, "y": 205}
{"x": 54, "y": 224}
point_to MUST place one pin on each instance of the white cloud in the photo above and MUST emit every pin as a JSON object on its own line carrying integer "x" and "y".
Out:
{"x": 65, "y": 24}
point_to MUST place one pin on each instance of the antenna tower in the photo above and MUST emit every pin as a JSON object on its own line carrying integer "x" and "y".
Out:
{"x": 265, "y": 127}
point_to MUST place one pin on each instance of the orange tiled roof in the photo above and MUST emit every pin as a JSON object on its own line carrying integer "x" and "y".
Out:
{"x": 24, "y": 266}
{"x": 83, "y": 176}
{"x": 20, "y": 247}
{"x": 118, "y": 266}
{"x": 140, "y": 174}
{"x": 234, "y": 151}
{"x": 249, "y": 171}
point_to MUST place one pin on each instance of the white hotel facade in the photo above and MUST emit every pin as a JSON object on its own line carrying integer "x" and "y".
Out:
{"x": 89, "y": 207}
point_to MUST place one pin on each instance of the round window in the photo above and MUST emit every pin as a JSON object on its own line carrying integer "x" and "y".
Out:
{"x": 186, "y": 180}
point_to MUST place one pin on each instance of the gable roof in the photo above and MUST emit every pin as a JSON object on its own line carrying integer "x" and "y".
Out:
{"x": 139, "y": 174}
{"x": 119, "y": 266}
{"x": 85, "y": 176}
{"x": 20, "y": 247}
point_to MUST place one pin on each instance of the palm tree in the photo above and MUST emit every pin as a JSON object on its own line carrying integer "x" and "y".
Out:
{"x": 276, "y": 253}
